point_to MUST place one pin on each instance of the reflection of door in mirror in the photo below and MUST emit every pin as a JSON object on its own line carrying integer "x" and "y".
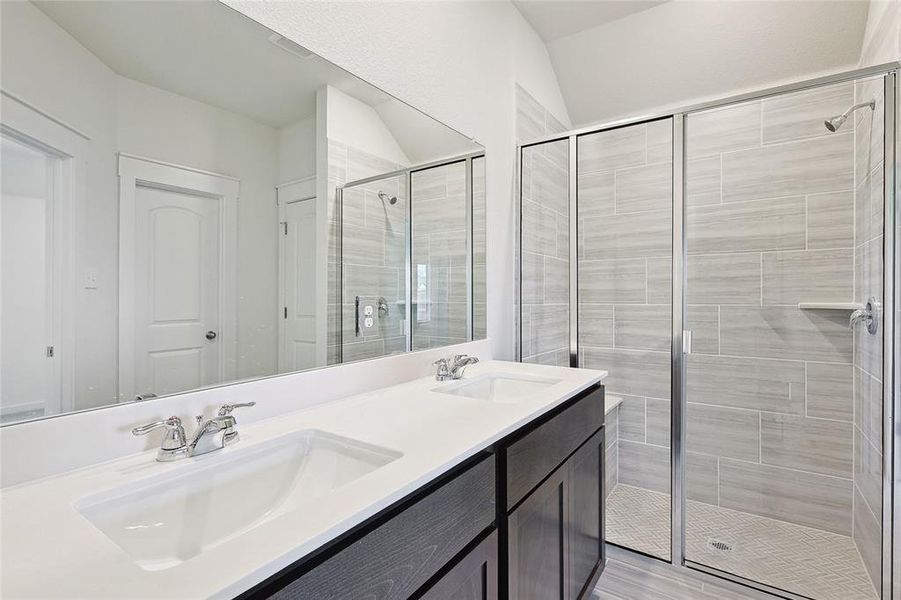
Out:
{"x": 301, "y": 331}
{"x": 29, "y": 380}
{"x": 175, "y": 274}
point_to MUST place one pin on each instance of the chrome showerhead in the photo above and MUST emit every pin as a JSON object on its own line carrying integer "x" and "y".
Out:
{"x": 386, "y": 198}
{"x": 834, "y": 123}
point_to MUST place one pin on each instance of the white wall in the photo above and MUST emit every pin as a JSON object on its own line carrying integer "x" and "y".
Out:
{"x": 165, "y": 126}
{"x": 682, "y": 52}
{"x": 882, "y": 36}
{"x": 33, "y": 45}
{"x": 358, "y": 125}
{"x": 457, "y": 62}
{"x": 297, "y": 150}
{"x": 38, "y": 60}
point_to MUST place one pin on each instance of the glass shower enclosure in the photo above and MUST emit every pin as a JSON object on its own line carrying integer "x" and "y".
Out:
{"x": 409, "y": 260}
{"x": 730, "y": 266}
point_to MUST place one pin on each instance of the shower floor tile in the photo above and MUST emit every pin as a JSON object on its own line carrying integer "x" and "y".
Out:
{"x": 802, "y": 560}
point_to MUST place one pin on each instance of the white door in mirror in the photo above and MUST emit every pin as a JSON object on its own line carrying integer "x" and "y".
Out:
{"x": 176, "y": 290}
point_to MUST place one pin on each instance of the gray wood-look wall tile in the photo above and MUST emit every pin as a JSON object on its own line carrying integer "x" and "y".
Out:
{"x": 868, "y": 538}
{"x": 785, "y": 332}
{"x": 807, "y": 499}
{"x": 868, "y": 355}
{"x": 611, "y": 423}
{"x": 639, "y": 235}
{"x": 634, "y": 372}
{"x": 868, "y": 472}
{"x": 644, "y": 188}
{"x": 368, "y": 280}
{"x": 556, "y": 281}
{"x": 645, "y": 466}
{"x": 539, "y": 229}
{"x": 631, "y": 418}
{"x": 720, "y": 431}
{"x": 704, "y": 323}
{"x": 808, "y": 276}
{"x": 643, "y": 327}
{"x": 549, "y": 327}
{"x": 702, "y": 477}
{"x": 803, "y": 167}
{"x": 596, "y": 325}
{"x": 660, "y": 280}
{"x": 829, "y": 391}
{"x": 801, "y": 114}
{"x": 611, "y": 468}
{"x": 723, "y": 279}
{"x": 752, "y": 383}
{"x": 703, "y": 181}
{"x": 611, "y": 150}
{"x": 529, "y": 117}
{"x": 868, "y": 406}
{"x": 814, "y": 445}
{"x": 868, "y": 126}
{"x": 620, "y": 281}
{"x": 721, "y": 130}
{"x": 830, "y": 220}
{"x": 747, "y": 226}
{"x": 658, "y": 421}
{"x": 869, "y": 206}
{"x": 660, "y": 141}
{"x": 532, "y": 277}
{"x": 549, "y": 184}
{"x": 597, "y": 194}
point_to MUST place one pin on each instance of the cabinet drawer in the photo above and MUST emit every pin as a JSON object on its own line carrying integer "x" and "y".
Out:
{"x": 399, "y": 556}
{"x": 540, "y": 451}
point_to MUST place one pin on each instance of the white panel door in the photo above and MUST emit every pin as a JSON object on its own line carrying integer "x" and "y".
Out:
{"x": 29, "y": 383}
{"x": 299, "y": 312}
{"x": 177, "y": 261}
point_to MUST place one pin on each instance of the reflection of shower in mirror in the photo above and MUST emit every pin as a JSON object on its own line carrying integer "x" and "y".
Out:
{"x": 386, "y": 198}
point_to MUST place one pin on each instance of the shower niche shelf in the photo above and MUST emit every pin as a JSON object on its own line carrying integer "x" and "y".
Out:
{"x": 829, "y": 305}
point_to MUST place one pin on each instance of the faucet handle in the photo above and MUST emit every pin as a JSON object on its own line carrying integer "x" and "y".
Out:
{"x": 226, "y": 409}
{"x": 173, "y": 423}
{"x": 174, "y": 444}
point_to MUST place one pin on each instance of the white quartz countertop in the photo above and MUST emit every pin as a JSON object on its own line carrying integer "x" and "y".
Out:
{"x": 49, "y": 550}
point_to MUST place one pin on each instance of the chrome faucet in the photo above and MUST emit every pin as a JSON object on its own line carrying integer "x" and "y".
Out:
{"x": 869, "y": 314}
{"x": 212, "y": 434}
{"x": 453, "y": 369}
{"x": 461, "y": 361}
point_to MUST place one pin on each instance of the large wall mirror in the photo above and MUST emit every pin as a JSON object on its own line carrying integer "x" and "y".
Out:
{"x": 190, "y": 199}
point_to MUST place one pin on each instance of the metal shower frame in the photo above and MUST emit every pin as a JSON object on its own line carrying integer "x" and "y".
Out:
{"x": 407, "y": 174}
{"x": 891, "y": 484}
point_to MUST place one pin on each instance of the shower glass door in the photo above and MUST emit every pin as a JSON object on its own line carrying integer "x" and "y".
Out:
{"x": 439, "y": 225}
{"x": 625, "y": 199}
{"x": 372, "y": 268}
{"x": 784, "y": 236}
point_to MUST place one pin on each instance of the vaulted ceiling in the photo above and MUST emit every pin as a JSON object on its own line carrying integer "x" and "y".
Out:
{"x": 675, "y": 53}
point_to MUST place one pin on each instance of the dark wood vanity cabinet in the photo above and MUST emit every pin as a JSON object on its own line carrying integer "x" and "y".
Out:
{"x": 554, "y": 531}
{"x": 523, "y": 520}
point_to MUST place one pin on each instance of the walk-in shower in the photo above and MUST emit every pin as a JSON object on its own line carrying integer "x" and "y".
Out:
{"x": 409, "y": 268}
{"x": 711, "y": 260}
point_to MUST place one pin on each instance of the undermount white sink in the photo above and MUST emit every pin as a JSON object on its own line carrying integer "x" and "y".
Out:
{"x": 165, "y": 520}
{"x": 497, "y": 387}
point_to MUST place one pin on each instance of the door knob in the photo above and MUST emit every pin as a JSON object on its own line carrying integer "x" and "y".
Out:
{"x": 211, "y": 335}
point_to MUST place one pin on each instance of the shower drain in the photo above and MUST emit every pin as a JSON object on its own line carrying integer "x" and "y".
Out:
{"x": 718, "y": 545}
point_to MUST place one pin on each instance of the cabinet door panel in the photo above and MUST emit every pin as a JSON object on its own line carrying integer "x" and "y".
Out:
{"x": 537, "y": 538}
{"x": 473, "y": 578}
{"x": 585, "y": 524}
